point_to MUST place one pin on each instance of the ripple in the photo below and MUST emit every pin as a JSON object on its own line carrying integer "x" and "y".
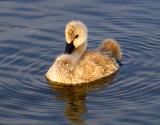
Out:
{"x": 32, "y": 35}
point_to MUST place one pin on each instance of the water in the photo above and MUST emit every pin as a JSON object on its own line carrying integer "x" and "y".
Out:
{"x": 32, "y": 35}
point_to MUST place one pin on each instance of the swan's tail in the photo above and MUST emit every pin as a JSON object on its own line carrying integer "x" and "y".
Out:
{"x": 112, "y": 48}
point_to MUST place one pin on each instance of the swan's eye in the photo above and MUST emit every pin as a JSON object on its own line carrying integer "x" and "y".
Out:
{"x": 76, "y": 36}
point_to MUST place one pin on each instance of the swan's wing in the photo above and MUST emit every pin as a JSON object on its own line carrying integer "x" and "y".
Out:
{"x": 94, "y": 66}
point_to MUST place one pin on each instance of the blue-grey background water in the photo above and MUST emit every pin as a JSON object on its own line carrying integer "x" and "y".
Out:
{"x": 32, "y": 35}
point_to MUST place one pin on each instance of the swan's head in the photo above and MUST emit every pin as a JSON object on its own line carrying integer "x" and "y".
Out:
{"x": 76, "y": 35}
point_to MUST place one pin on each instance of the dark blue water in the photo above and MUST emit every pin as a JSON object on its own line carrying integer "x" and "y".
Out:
{"x": 32, "y": 35}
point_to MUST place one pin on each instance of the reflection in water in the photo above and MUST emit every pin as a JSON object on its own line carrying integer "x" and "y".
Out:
{"x": 75, "y": 97}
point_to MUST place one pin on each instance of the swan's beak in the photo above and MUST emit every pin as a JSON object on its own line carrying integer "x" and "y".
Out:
{"x": 69, "y": 48}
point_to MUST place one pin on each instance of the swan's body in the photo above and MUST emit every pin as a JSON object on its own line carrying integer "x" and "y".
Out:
{"x": 79, "y": 65}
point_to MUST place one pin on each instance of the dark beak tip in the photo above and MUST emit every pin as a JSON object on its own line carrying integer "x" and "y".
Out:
{"x": 69, "y": 48}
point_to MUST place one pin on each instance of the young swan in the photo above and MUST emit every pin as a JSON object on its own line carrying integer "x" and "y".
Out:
{"x": 80, "y": 66}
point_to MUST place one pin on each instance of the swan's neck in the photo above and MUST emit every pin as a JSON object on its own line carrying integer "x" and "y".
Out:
{"x": 78, "y": 52}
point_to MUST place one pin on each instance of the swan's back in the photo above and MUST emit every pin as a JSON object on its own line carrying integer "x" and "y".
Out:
{"x": 94, "y": 65}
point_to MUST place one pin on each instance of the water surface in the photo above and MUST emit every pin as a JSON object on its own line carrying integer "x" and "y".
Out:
{"x": 32, "y": 35}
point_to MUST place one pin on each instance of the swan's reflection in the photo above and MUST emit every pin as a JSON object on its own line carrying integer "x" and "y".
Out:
{"x": 75, "y": 97}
